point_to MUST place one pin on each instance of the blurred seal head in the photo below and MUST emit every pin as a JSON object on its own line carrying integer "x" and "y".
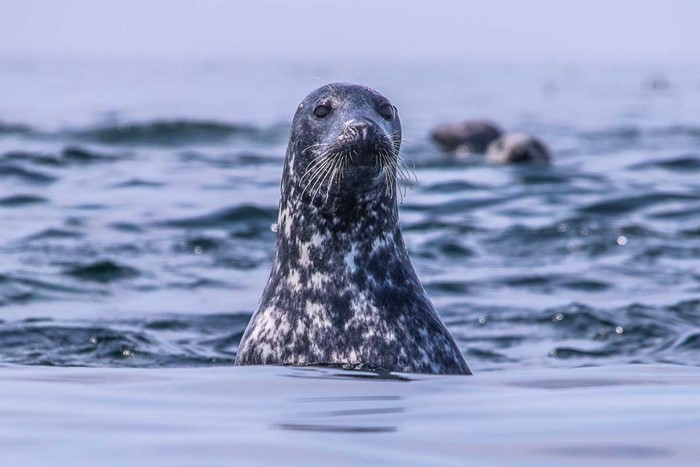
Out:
{"x": 518, "y": 148}
{"x": 467, "y": 137}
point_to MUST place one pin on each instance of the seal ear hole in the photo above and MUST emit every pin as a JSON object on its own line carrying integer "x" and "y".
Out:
{"x": 322, "y": 111}
{"x": 386, "y": 111}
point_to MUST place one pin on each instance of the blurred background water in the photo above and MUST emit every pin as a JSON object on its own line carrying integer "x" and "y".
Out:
{"x": 141, "y": 150}
{"x": 137, "y": 198}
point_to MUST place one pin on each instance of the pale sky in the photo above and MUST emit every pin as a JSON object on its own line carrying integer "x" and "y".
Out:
{"x": 650, "y": 31}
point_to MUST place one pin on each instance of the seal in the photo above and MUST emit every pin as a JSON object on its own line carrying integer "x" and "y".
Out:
{"x": 518, "y": 148}
{"x": 467, "y": 137}
{"x": 342, "y": 290}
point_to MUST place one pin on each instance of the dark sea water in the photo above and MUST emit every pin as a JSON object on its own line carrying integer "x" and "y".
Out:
{"x": 136, "y": 205}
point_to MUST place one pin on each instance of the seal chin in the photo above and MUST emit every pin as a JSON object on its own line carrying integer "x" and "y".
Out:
{"x": 366, "y": 178}
{"x": 369, "y": 166}
{"x": 369, "y": 154}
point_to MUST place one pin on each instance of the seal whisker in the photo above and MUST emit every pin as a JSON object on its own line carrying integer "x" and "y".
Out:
{"x": 407, "y": 173}
{"x": 309, "y": 175}
{"x": 321, "y": 174}
{"x": 395, "y": 174}
{"x": 332, "y": 172}
{"x": 381, "y": 162}
{"x": 317, "y": 145}
{"x": 401, "y": 172}
{"x": 319, "y": 171}
{"x": 338, "y": 165}
{"x": 314, "y": 163}
{"x": 404, "y": 177}
{"x": 413, "y": 180}
{"x": 346, "y": 163}
{"x": 322, "y": 180}
{"x": 391, "y": 171}
{"x": 390, "y": 174}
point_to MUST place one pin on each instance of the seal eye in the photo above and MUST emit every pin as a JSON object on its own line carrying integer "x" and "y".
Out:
{"x": 386, "y": 111}
{"x": 322, "y": 111}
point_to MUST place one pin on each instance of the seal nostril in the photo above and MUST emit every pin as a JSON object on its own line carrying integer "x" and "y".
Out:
{"x": 359, "y": 127}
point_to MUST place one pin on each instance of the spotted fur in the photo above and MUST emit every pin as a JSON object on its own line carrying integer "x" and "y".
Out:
{"x": 342, "y": 289}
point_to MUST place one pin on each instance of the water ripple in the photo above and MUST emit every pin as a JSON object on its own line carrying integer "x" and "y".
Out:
{"x": 118, "y": 211}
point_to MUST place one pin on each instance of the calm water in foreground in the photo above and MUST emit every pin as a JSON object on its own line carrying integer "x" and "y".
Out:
{"x": 136, "y": 200}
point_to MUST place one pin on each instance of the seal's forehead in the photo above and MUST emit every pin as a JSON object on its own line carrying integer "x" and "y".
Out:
{"x": 341, "y": 91}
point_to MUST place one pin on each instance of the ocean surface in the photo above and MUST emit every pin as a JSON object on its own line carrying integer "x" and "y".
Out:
{"x": 137, "y": 199}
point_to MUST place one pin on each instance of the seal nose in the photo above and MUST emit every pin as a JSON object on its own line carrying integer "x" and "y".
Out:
{"x": 360, "y": 127}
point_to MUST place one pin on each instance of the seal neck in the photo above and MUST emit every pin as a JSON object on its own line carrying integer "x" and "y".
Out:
{"x": 362, "y": 216}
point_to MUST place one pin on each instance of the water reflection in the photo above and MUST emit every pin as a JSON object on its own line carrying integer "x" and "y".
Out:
{"x": 366, "y": 413}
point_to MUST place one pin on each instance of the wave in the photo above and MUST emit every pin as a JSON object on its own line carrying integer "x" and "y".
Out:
{"x": 21, "y": 200}
{"x": 626, "y": 204}
{"x": 245, "y": 215}
{"x": 579, "y": 333}
{"x": 633, "y": 132}
{"x": 66, "y": 157}
{"x": 172, "y": 341}
{"x": 102, "y": 271}
{"x": 685, "y": 163}
{"x": 16, "y": 171}
{"x": 168, "y": 132}
{"x": 9, "y": 128}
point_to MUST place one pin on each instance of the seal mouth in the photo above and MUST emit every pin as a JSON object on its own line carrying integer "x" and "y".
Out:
{"x": 351, "y": 165}
{"x": 362, "y": 158}
{"x": 365, "y": 143}
{"x": 368, "y": 152}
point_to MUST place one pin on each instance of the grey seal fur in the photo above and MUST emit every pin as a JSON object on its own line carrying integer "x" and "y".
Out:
{"x": 342, "y": 289}
{"x": 516, "y": 148}
{"x": 467, "y": 137}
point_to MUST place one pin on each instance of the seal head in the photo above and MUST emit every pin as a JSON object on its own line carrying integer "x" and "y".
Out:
{"x": 518, "y": 148}
{"x": 467, "y": 137}
{"x": 342, "y": 289}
